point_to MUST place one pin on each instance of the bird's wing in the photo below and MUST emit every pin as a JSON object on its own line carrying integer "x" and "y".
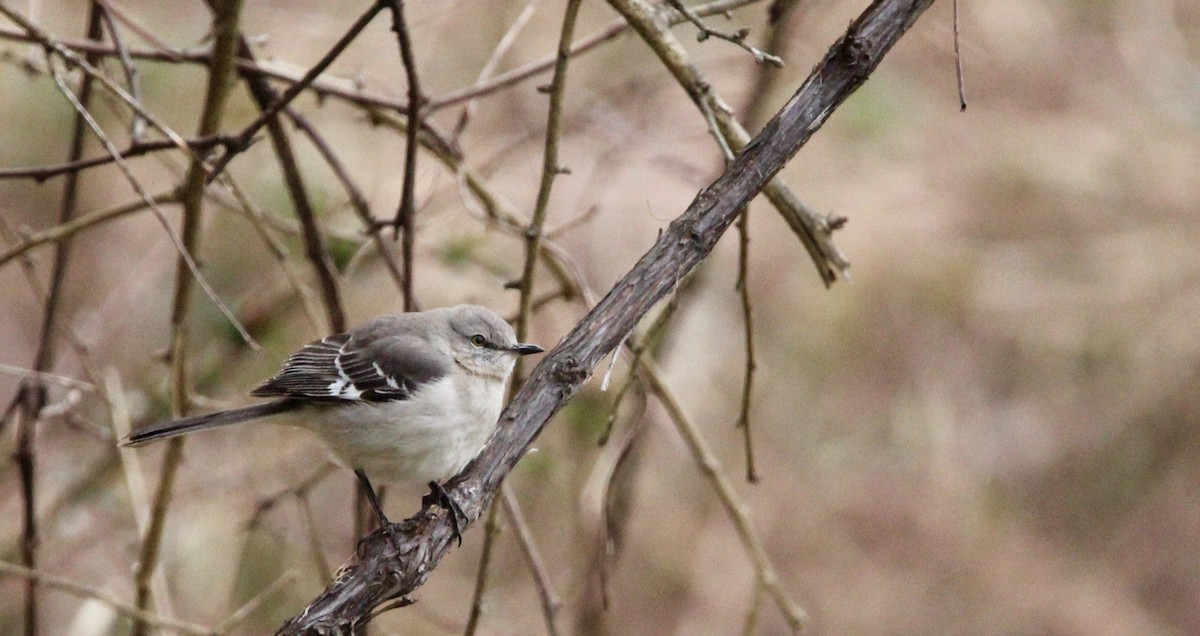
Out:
{"x": 362, "y": 366}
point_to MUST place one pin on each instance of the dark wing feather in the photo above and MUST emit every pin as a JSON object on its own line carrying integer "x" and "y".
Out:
{"x": 367, "y": 365}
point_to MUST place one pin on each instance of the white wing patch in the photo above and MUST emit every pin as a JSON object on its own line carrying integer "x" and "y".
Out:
{"x": 343, "y": 387}
{"x": 391, "y": 382}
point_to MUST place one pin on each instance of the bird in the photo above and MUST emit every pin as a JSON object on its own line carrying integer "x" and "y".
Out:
{"x": 409, "y": 397}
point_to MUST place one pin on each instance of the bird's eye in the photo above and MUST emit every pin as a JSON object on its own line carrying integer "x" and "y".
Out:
{"x": 478, "y": 340}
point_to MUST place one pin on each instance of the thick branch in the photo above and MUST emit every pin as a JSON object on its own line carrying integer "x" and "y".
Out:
{"x": 381, "y": 573}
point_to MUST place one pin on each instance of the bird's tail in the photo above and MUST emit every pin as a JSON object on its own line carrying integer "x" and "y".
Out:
{"x": 164, "y": 430}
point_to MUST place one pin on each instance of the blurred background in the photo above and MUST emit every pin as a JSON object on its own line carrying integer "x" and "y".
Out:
{"x": 991, "y": 429}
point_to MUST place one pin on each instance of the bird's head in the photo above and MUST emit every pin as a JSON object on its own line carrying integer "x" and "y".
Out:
{"x": 483, "y": 343}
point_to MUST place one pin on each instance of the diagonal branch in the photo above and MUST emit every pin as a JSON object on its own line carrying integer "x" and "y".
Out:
{"x": 383, "y": 573}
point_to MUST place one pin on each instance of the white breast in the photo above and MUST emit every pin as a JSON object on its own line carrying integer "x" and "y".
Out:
{"x": 429, "y": 437}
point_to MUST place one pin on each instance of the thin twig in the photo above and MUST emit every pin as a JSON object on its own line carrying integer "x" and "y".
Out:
{"x": 137, "y": 149}
{"x": 83, "y": 591}
{"x": 637, "y": 345}
{"x": 738, "y": 38}
{"x": 32, "y": 396}
{"x": 541, "y": 576}
{"x": 533, "y": 241}
{"x": 710, "y": 466}
{"x": 131, "y": 465}
{"x": 572, "y": 223}
{"x": 245, "y": 137}
{"x": 743, "y": 288}
{"x": 498, "y": 211}
{"x": 502, "y": 48}
{"x": 406, "y": 214}
{"x": 259, "y": 221}
{"x": 598, "y": 498}
{"x": 358, "y": 201}
{"x": 132, "y": 78}
{"x": 958, "y": 66}
{"x": 750, "y": 627}
{"x": 132, "y": 24}
{"x": 66, "y": 230}
{"x": 813, "y": 230}
{"x": 314, "y": 241}
{"x": 605, "y": 34}
{"x": 43, "y": 378}
{"x": 180, "y": 245}
{"x": 225, "y": 42}
{"x": 255, "y": 602}
{"x": 491, "y": 529}
{"x": 550, "y": 168}
{"x": 72, "y": 58}
{"x": 324, "y": 572}
{"x": 300, "y": 488}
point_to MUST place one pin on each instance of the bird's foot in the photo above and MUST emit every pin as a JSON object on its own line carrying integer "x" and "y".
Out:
{"x": 438, "y": 495}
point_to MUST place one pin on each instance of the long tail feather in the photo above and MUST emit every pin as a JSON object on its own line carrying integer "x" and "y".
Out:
{"x": 164, "y": 430}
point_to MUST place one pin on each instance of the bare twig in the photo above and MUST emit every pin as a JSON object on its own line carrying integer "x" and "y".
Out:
{"x": 406, "y": 214}
{"x": 32, "y": 395}
{"x": 603, "y": 504}
{"x": 387, "y": 569}
{"x": 225, "y": 42}
{"x": 244, "y": 138}
{"x": 33, "y": 33}
{"x": 314, "y": 241}
{"x": 137, "y": 149}
{"x": 134, "y": 25}
{"x": 255, "y": 602}
{"x": 743, "y": 288}
{"x": 491, "y": 529}
{"x": 541, "y": 576}
{"x": 314, "y": 540}
{"x": 66, "y": 230}
{"x": 750, "y": 627}
{"x": 185, "y": 254}
{"x": 132, "y": 79}
{"x": 300, "y": 488}
{"x": 605, "y": 34}
{"x": 506, "y": 43}
{"x": 83, "y": 591}
{"x": 533, "y": 239}
{"x": 358, "y": 201}
{"x": 738, "y": 38}
{"x": 813, "y": 230}
{"x": 550, "y": 168}
{"x": 711, "y": 467}
{"x": 43, "y": 378}
{"x": 259, "y": 221}
{"x": 958, "y": 67}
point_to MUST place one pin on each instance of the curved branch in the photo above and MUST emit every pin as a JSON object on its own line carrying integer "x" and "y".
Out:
{"x": 383, "y": 573}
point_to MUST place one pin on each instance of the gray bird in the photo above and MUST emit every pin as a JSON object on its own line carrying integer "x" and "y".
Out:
{"x": 409, "y": 397}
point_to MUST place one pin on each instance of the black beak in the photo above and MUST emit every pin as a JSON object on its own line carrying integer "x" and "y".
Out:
{"x": 525, "y": 349}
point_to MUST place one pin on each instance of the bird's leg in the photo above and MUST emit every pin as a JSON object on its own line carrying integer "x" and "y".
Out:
{"x": 438, "y": 495}
{"x": 383, "y": 520}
